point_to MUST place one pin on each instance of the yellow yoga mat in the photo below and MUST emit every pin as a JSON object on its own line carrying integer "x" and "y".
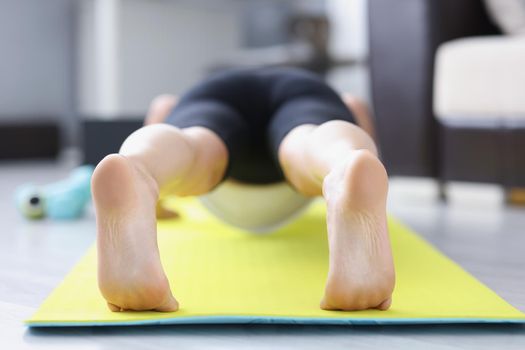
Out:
{"x": 221, "y": 274}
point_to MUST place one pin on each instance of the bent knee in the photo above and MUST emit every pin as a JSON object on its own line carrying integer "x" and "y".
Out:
{"x": 151, "y": 143}
{"x": 337, "y": 127}
{"x": 160, "y": 108}
{"x": 161, "y": 134}
{"x": 341, "y": 132}
{"x": 163, "y": 103}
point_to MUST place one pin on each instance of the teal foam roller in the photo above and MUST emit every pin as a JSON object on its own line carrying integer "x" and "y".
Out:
{"x": 65, "y": 199}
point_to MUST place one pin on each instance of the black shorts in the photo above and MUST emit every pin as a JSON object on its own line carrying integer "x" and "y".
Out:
{"x": 252, "y": 110}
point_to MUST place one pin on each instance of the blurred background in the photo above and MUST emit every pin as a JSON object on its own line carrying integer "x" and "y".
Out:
{"x": 69, "y": 60}
{"x": 444, "y": 79}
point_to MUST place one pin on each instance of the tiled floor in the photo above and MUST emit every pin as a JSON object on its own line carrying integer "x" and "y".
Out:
{"x": 475, "y": 229}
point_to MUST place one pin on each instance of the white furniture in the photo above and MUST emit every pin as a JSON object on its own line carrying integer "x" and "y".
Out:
{"x": 481, "y": 78}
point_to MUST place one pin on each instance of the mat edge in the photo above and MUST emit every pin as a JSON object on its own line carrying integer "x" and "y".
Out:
{"x": 195, "y": 320}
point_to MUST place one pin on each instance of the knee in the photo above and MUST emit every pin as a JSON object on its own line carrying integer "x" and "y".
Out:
{"x": 361, "y": 113}
{"x": 343, "y": 133}
{"x": 336, "y": 128}
{"x": 292, "y": 146}
{"x": 151, "y": 142}
{"x": 164, "y": 134}
{"x": 159, "y": 108}
{"x": 163, "y": 101}
{"x": 353, "y": 103}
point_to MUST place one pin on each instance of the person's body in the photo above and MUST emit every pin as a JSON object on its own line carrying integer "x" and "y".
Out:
{"x": 267, "y": 128}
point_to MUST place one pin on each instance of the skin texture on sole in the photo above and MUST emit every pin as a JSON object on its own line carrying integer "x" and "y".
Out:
{"x": 361, "y": 273}
{"x": 130, "y": 273}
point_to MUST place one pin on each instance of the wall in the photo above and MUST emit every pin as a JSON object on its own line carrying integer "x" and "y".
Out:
{"x": 37, "y": 60}
{"x": 48, "y": 58}
{"x": 349, "y": 38}
{"x": 158, "y": 46}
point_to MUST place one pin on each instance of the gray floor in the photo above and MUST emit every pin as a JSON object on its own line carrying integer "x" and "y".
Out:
{"x": 474, "y": 229}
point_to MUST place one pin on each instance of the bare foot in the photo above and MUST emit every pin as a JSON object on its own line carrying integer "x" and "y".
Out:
{"x": 130, "y": 274}
{"x": 361, "y": 274}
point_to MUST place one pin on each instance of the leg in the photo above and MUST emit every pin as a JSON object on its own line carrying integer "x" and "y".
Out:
{"x": 125, "y": 189}
{"x": 361, "y": 112}
{"x": 160, "y": 108}
{"x": 339, "y": 160}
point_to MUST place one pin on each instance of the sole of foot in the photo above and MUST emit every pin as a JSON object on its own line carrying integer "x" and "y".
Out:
{"x": 130, "y": 274}
{"x": 361, "y": 271}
